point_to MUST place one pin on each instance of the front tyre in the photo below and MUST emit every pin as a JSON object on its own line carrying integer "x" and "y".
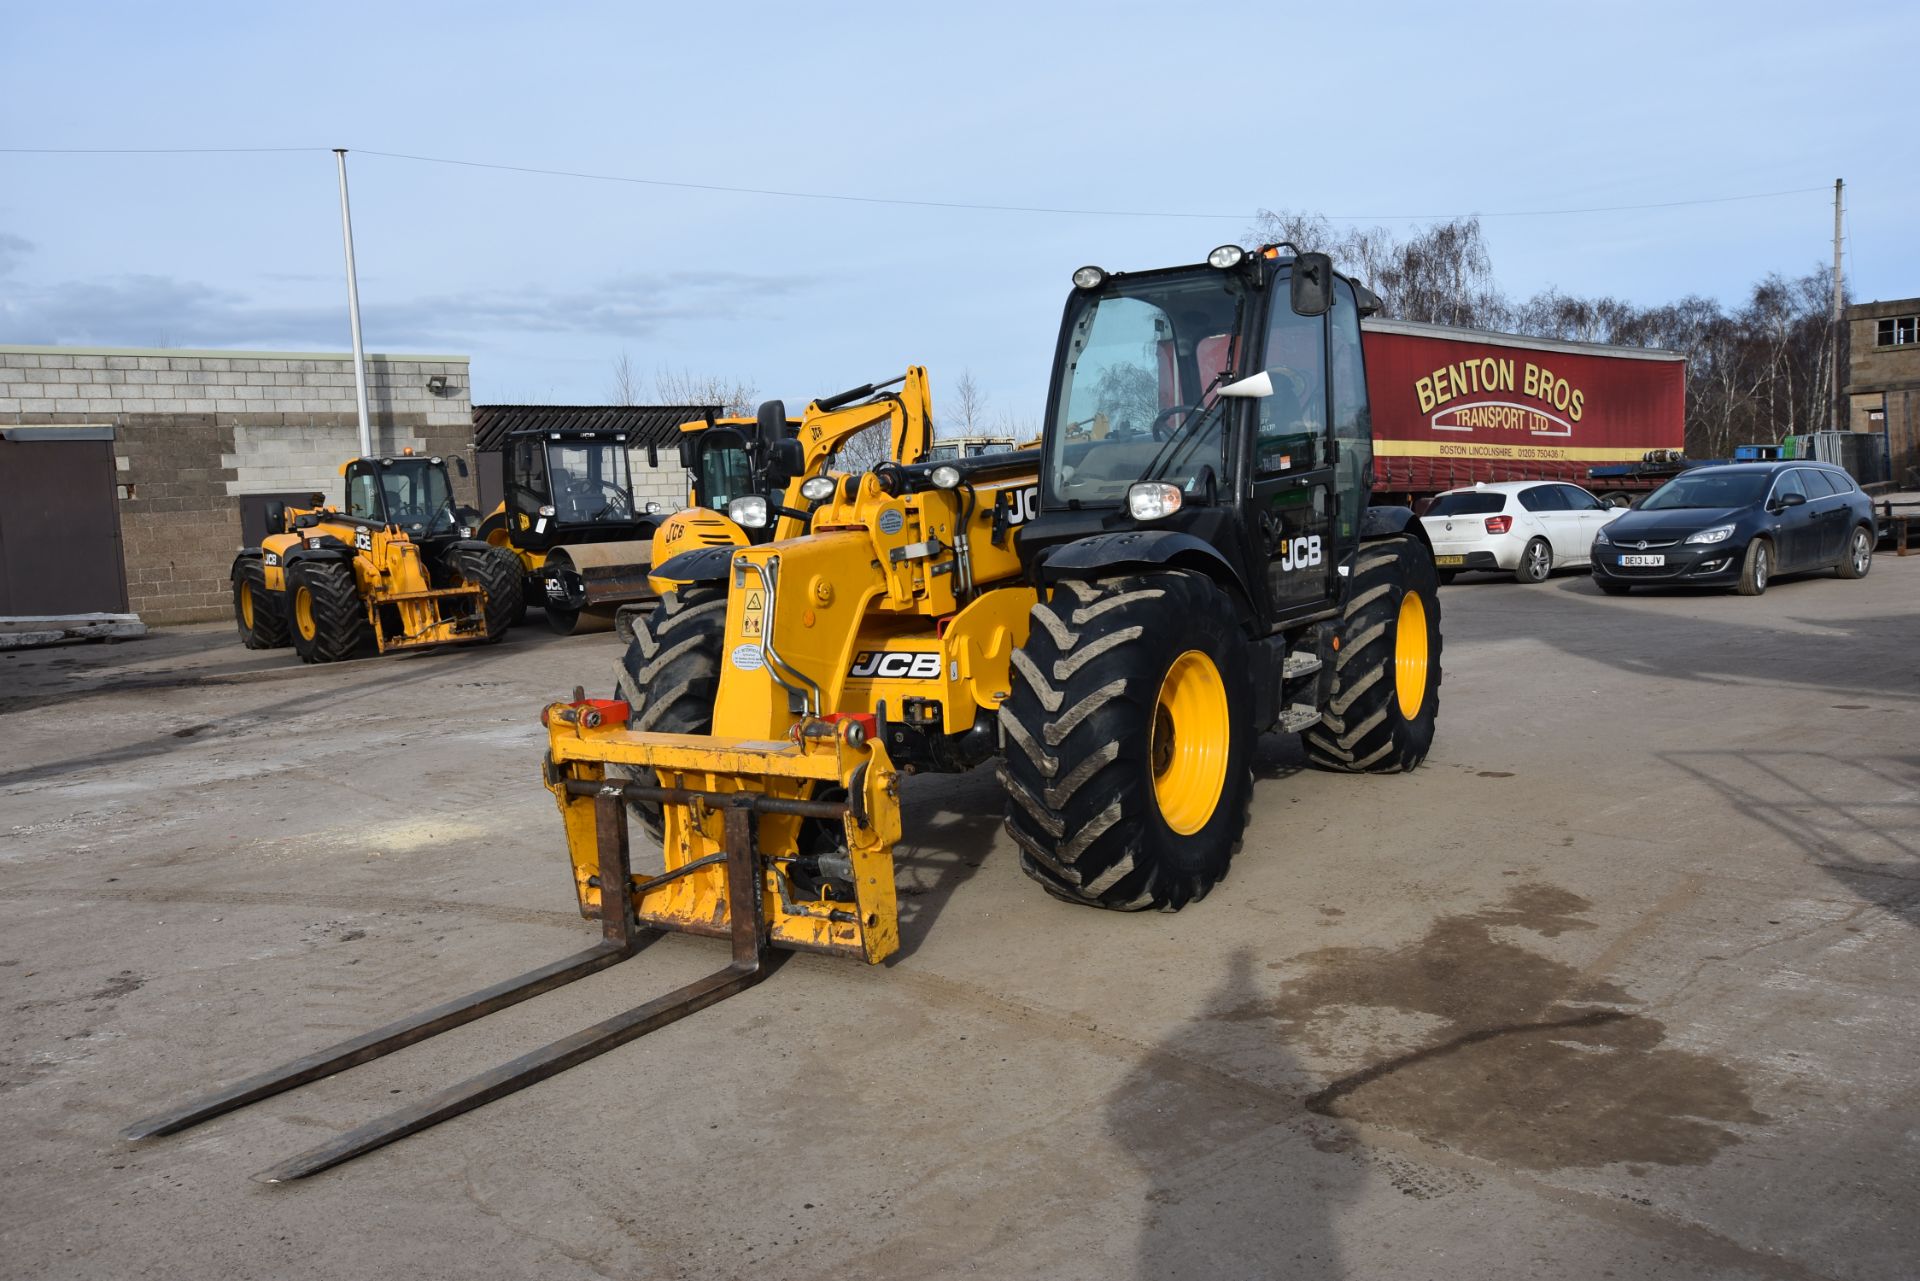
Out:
{"x": 1381, "y": 713}
{"x": 329, "y": 620}
{"x": 670, "y": 672}
{"x": 1128, "y": 740}
{"x": 495, "y": 571}
{"x": 1757, "y": 569}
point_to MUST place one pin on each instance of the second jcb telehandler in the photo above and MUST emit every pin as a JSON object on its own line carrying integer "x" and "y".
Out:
{"x": 1189, "y": 559}
{"x": 398, "y": 567}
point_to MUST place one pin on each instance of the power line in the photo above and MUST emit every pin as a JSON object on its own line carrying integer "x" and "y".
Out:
{"x": 901, "y": 201}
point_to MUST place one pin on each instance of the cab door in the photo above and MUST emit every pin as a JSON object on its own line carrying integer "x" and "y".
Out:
{"x": 1290, "y": 463}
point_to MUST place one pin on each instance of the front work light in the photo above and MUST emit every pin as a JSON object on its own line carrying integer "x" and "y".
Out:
{"x": 749, "y": 512}
{"x": 946, "y": 476}
{"x": 1226, "y": 256}
{"x": 817, "y": 489}
{"x": 1152, "y": 499}
{"x": 1088, "y": 278}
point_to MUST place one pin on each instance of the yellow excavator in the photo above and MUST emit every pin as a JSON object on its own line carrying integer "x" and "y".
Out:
{"x": 1117, "y": 615}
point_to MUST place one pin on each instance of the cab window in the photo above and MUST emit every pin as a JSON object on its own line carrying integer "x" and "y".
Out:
{"x": 1293, "y": 420}
{"x": 1352, "y": 421}
{"x": 363, "y": 494}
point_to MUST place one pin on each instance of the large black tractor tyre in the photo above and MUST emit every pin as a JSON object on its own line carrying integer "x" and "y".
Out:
{"x": 1380, "y": 716}
{"x": 1128, "y": 741}
{"x": 495, "y": 571}
{"x": 259, "y": 614}
{"x": 329, "y": 620}
{"x": 670, "y": 673}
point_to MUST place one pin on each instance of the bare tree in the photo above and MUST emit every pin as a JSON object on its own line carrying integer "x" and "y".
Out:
{"x": 626, "y": 383}
{"x": 864, "y": 450}
{"x": 969, "y": 413}
{"x": 734, "y": 396}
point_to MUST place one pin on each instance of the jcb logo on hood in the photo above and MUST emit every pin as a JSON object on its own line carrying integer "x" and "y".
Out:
{"x": 1300, "y": 553}
{"x": 896, "y": 665}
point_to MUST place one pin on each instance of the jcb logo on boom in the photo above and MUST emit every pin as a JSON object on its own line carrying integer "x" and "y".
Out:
{"x": 1300, "y": 553}
{"x": 896, "y": 665}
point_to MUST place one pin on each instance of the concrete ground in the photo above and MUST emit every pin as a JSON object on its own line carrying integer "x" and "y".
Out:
{"x": 1620, "y": 984}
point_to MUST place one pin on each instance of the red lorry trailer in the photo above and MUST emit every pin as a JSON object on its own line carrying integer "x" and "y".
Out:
{"x": 1456, "y": 406}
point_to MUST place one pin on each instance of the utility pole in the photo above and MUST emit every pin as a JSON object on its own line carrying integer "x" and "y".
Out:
{"x": 353, "y": 309}
{"x": 1839, "y": 408}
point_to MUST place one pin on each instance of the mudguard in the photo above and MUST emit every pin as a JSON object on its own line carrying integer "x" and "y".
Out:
{"x": 701, "y": 565}
{"x": 1387, "y": 522}
{"x": 1101, "y": 555}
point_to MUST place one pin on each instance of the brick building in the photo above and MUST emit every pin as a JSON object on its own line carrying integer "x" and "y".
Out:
{"x": 128, "y": 478}
{"x": 1883, "y": 380}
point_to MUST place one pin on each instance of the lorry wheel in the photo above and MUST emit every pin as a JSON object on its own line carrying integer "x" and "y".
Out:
{"x": 495, "y": 571}
{"x": 329, "y": 621}
{"x": 1757, "y": 569}
{"x": 670, "y": 673}
{"x": 1128, "y": 741}
{"x": 1380, "y": 715}
{"x": 259, "y": 613}
{"x": 1536, "y": 563}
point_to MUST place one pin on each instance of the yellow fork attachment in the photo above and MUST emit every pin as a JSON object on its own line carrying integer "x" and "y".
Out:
{"x": 839, "y": 758}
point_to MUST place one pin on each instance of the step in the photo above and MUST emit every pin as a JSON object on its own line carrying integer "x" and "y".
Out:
{"x": 1299, "y": 663}
{"x": 1298, "y": 717}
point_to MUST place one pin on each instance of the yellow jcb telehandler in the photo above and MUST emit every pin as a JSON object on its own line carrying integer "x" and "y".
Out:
{"x": 397, "y": 568}
{"x": 1117, "y": 614}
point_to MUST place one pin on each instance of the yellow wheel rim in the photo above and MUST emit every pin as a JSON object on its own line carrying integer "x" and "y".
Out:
{"x": 1191, "y": 736}
{"x": 303, "y": 613}
{"x": 246, "y": 605}
{"x": 1410, "y": 655}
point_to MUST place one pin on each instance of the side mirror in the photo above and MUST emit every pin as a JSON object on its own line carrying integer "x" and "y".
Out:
{"x": 1790, "y": 500}
{"x": 785, "y": 460}
{"x": 276, "y": 513}
{"x": 653, "y": 454}
{"x": 771, "y": 422}
{"x": 1312, "y": 285}
{"x": 460, "y": 465}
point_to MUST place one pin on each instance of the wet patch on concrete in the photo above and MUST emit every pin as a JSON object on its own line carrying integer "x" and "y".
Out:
{"x": 1522, "y": 1058}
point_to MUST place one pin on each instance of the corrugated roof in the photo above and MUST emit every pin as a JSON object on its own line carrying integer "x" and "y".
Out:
{"x": 644, "y": 424}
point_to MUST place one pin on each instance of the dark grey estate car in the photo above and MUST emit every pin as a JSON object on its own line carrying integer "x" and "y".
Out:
{"x": 1739, "y": 525}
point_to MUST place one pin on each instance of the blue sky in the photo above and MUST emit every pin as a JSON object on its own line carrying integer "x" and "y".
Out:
{"x": 1370, "y": 111}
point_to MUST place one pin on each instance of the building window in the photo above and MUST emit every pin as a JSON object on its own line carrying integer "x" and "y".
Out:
{"x": 1897, "y": 331}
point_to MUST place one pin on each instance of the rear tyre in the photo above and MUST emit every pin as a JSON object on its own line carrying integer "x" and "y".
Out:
{"x": 328, "y": 619}
{"x": 1612, "y": 589}
{"x": 1757, "y": 570}
{"x": 670, "y": 673}
{"x": 259, "y": 614}
{"x": 1536, "y": 563}
{"x": 1385, "y": 700}
{"x": 1128, "y": 742}
{"x": 1859, "y": 554}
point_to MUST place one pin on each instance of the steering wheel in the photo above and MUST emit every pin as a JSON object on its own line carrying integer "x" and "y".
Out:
{"x": 1158, "y": 428}
{"x": 617, "y": 505}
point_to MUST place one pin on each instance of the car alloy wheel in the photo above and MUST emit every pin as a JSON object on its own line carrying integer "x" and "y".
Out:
{"x": 1862, "y": 553}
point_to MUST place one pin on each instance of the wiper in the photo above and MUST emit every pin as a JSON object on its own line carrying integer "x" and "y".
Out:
{"x": 1157, "y": 468}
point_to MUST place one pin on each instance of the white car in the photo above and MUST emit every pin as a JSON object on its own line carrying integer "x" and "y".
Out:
{"x": 1526, "y": 528}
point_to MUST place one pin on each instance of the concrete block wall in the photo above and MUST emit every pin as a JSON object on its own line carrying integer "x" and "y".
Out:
{"x": 665, "y": 484}
{"x": 195, "y": 430}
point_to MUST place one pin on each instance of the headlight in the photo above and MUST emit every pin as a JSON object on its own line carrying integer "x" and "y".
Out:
{"x": 1600, "y": 536}
{"x": 466, "y": 531}
{"x": 946, "y": 476}
{"x": 653, "y": 508}
{"x": 546, "y": 511}
{"x": 1226, "y": 256}
{"x": 1088, "y": 278}
{"x": 1151, "y": 499}
{"x": 817, "y": 489}
{"x": 749, "y": 512}
{"x": 1718, "y": 534}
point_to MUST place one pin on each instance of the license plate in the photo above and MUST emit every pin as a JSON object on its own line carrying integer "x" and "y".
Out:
{"x": 1449, "y": 560}
{"x": 1646, "y": 562}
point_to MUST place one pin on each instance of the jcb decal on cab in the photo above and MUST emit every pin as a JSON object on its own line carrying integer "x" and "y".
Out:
{"x": 363, "y": 540}
{"x": 1300, "y": 553}
{"x": 1019, "y": 505}
{"x": 896, "y": 665}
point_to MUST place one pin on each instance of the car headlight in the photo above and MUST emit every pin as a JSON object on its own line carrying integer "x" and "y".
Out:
{"x": 1150, "y": 500}
{"x": 817, "y": 489}
{"x": 749, "y": 512}
{"x": 1600, "y": 536}
{"x": 1718, "y": 534}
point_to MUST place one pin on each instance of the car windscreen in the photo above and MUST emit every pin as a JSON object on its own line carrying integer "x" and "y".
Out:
{"x": 1468, "y": 503}
{"x": 1711, "y": 490}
